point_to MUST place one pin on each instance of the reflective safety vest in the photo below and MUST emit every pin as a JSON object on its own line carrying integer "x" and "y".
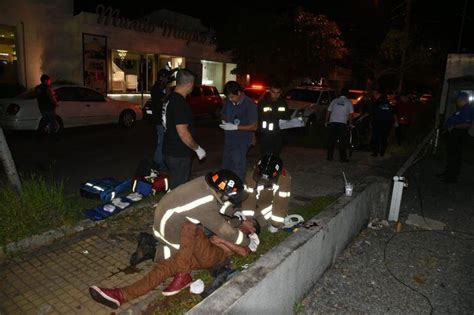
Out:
{"x": 193, "y": 202}
{"x": 270, "y": 112}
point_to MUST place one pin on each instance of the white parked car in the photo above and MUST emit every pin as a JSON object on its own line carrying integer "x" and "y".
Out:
{"x": 310, "y": 103}
{"x": 77, "y": 106}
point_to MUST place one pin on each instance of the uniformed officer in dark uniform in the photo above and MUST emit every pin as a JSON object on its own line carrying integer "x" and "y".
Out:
{"x": 384, "y": 117}
{"x": 271, "y": 109}
{"x": 457, "y": 125}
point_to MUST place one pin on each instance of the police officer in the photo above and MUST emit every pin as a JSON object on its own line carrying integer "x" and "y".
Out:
{"x": 203, "y": 201}
{"x": 457, "y": 125}
{"x": 271, "y": 109}
{"x": 269, "y": 187}
{"x": 339, "y": 112}
{"x": 384, "y": 117}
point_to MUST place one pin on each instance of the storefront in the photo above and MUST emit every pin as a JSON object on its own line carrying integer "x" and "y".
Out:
{"x": 103, "y": 50}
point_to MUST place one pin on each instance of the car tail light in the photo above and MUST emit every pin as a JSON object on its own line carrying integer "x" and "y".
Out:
{"x": 12, "y": 109}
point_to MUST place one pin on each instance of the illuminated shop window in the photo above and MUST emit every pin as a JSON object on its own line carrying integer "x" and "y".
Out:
{"x": 8, "y": 55}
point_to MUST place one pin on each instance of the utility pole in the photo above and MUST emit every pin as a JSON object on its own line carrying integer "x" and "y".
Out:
{"x": 405, "y": 48}
{"x": 8, "y": 163}
{"x": 462, "y": 26}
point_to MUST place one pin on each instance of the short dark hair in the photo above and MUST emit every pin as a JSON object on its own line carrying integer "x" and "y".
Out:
{"x": 276, "y": 85}
{"x": 257, "y": 227}
{"x": 232, "y": 87}
{"x": 44, "y": 78}
{"x": 345, "y": 91}
{"x": 462, "y": 96}
{"x": 185, "y": 76}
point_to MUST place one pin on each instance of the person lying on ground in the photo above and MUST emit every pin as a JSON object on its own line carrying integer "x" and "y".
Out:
{"x": 197, "y": 251}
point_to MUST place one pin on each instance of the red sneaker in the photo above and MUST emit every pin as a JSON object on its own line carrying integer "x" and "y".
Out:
{"x": 109, "y": 297}
{"x": 180, "y": 281}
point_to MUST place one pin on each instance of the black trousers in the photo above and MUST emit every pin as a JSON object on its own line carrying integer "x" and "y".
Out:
{"x": 380, "y": 135}
{"x": 337, "y": 131}
{"x": 179, "y": 169}
{"x": 401, "y": 133}
{"x": 271, "y": 143}
{"x": 456, "y": 141}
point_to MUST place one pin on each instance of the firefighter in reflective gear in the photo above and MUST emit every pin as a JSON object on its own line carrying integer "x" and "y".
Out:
{"x": 268, "y": 186}
{"x": 203, "y": 200}
{"x": 271, "y": 109}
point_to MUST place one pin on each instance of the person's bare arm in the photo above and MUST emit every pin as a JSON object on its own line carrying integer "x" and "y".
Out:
{"x": 186, "y": 137}
{"x": 52, "y": 98}
{"x": 228, "y": 246}
{"x": 395, "y": 119}
{"x": 328, "y": 114}
{"x": 214, "y": 240}
{"x": 252, "y": 127}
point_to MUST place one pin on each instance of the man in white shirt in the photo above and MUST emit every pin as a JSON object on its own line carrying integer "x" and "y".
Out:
{"x": 339, "y": 112}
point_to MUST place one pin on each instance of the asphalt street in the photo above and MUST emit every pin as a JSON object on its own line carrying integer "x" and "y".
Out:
{"x": 86, "y": 153}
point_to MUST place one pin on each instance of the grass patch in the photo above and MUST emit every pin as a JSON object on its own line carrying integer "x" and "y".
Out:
{"x": 42, "y": 206}
{"x": 184, "y": 301}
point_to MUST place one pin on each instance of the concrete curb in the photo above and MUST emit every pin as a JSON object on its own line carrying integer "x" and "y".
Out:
{"x": 53, "y": 235}
{"x": 280, "y": 278}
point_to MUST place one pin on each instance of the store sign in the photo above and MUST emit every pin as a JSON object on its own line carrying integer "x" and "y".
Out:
{"x": 111, "y": 16}
{"x": 181, "y": 33}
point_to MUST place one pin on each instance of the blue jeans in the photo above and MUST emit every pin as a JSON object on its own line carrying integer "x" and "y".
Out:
{"x": 235, "y": 158}
{"x": 158, "y": 157}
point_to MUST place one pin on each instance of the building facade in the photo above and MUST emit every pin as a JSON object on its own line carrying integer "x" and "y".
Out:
{"x": 103, "y": 50}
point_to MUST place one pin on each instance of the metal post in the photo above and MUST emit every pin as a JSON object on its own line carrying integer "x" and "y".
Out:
{"x": 398, "y": 185}
{"x": 462, "y": 26}
{"x": 399, "y": 181}
{"x": 436, "y": 142}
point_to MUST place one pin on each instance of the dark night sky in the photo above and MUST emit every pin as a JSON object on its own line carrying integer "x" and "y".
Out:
{"x": 363, "y": 22}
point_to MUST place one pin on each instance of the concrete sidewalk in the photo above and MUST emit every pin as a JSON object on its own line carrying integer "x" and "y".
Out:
{"x": 438, "y": 265}
{"x": 55, "y": 279}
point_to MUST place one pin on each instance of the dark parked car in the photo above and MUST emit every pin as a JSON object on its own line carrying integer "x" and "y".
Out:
{"x": 204, "y": 100}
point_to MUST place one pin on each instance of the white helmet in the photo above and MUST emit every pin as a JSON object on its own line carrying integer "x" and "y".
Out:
{"x": 291, "y": 221}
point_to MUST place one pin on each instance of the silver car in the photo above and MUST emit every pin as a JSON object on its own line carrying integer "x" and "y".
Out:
{"x": 309, "y": 102}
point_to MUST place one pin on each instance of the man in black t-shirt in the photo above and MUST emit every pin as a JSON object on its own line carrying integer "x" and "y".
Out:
{"x": 179, "y": 144}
